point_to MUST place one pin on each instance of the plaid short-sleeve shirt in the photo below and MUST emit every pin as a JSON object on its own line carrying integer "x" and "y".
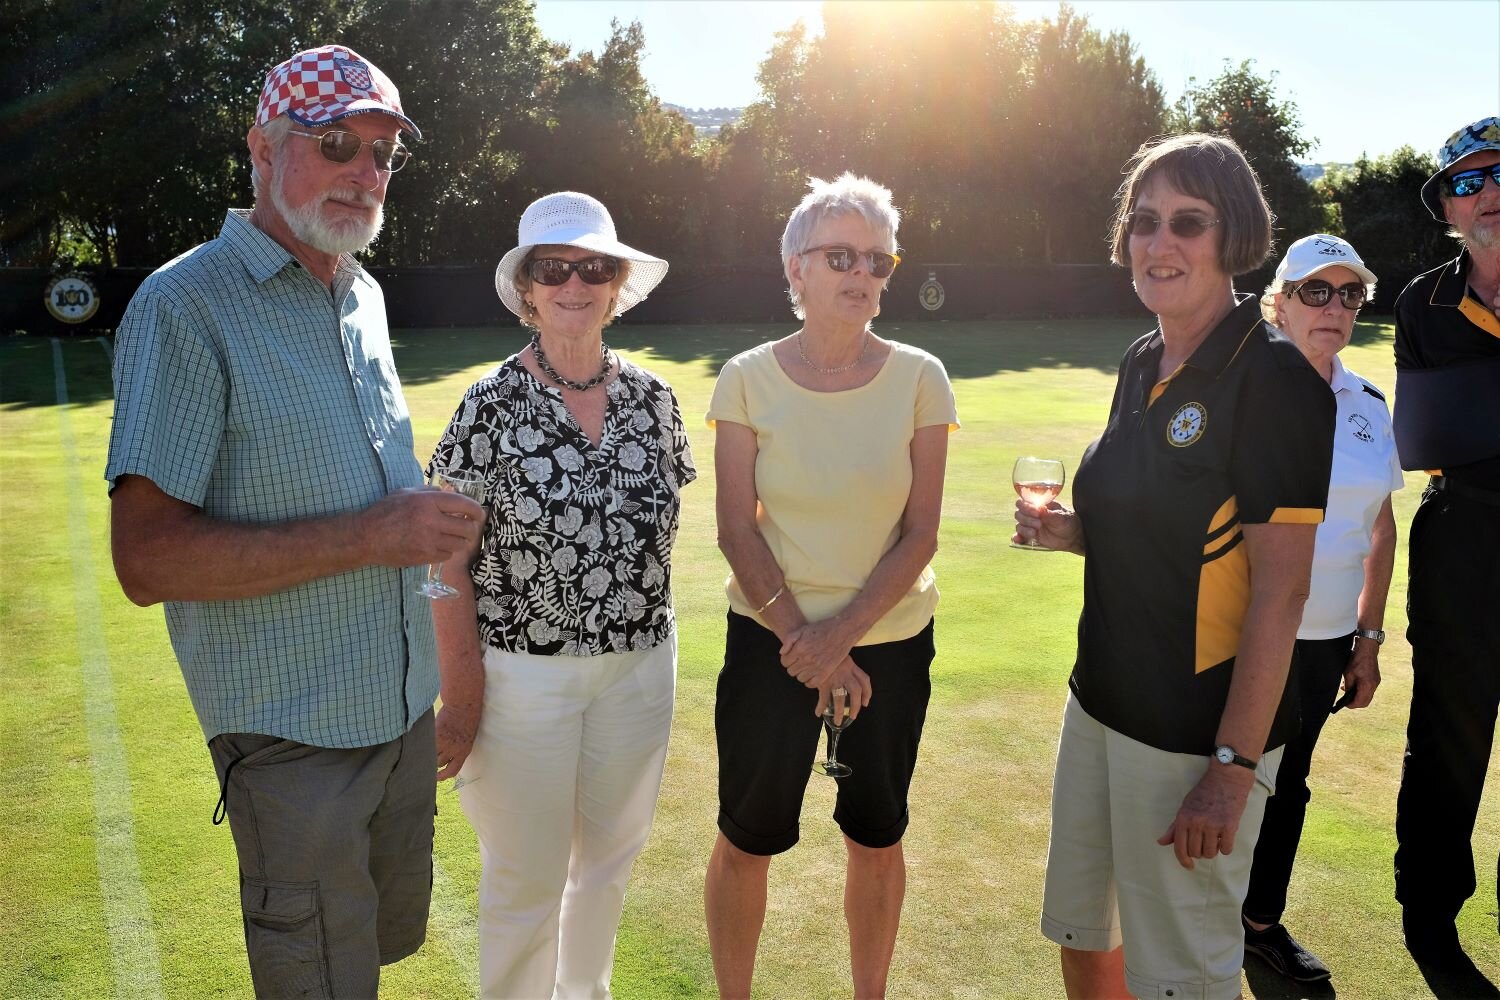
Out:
{"x": 243, "y": 388}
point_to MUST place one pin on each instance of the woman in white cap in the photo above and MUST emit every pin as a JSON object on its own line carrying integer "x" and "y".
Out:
{"x": 563, "y": 629}
{"x": 1315, "y": 299}
{"x": 830, "y": 448}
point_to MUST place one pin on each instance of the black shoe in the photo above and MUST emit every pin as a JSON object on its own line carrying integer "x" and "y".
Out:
{"x": 1433, "y": 942}
{"x": 1282, "y": 952}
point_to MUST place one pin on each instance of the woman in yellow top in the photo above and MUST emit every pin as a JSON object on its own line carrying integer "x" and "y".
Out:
{"x": 830, "y": 449}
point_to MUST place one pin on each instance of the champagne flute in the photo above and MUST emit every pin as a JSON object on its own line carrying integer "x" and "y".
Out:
{"x": 836, "y": 719}
{"x": 1038, "y": 481}
{"x": 471, "y": 485}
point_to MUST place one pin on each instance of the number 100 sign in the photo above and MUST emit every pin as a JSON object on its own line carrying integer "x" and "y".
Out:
{"x": 71, "y": 298}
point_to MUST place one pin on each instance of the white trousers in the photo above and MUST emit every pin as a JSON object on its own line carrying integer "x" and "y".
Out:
{"x": 560, "y": 787}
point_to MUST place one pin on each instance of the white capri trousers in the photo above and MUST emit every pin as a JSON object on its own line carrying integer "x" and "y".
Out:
{"x": 560, "y": 787}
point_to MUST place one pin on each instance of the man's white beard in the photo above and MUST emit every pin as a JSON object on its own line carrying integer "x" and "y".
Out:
{"x": 347, "y": 234}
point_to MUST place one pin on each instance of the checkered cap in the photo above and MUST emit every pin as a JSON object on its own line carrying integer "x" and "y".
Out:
{"x": 322, "y": 85}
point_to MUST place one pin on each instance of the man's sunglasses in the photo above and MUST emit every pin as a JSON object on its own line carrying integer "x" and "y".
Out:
{"x": 341, "y": 147}
{"x": 842, "y": 258}
{"x": 1189, "y": 225}
{"x": 591, "y": 270}
{"x": 1316, "y": 293}
{"x": 1471, "y": 182}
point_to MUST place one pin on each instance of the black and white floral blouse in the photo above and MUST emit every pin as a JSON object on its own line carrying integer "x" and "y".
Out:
{"x": 577, "y": 547}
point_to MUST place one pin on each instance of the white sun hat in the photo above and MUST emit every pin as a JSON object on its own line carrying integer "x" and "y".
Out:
{"x": 569, "y": 218}
{"x": 1311, "y": 254}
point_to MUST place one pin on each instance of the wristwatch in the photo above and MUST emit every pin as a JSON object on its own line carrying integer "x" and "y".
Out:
{"x": 1378, "y": 634}
{"x": 1226, "y": 754}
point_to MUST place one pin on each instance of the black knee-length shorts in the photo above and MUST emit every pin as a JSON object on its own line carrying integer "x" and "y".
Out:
{"x": 768, "y": 738}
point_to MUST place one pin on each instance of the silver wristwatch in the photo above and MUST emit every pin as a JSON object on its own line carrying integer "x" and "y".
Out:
{"x": 1378, "y": 634}
{"x": 1226, "y": 754}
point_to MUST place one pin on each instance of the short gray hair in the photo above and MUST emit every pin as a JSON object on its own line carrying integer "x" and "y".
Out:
{"x": 275, "y": 132}
{"x": 846, "y": 195}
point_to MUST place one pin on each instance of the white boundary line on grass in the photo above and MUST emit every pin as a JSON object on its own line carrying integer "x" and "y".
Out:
{"x": 127, "y": 909}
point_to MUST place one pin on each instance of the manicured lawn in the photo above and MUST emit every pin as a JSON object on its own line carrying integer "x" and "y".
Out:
{"x": 111, "y": 869}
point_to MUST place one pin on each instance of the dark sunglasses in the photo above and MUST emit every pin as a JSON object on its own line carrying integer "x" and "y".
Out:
{"x": 1187, "y": 226}
{"x": 341, "y": 147}
{"x": 1471, "y": 182}
{"x": 591, "y": 270}
{"x": 841, "y": 259}
{"x": 1316, "y": 293}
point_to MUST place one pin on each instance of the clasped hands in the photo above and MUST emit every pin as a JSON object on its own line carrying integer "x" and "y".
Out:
{"x": 816, "y": 654}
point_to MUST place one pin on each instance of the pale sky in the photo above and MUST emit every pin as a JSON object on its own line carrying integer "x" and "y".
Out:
{"x": 1366, "y": 75}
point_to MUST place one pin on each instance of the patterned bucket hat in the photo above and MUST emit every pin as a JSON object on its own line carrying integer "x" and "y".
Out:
{"x": 322, "y": 85}
{"x": 1476, "y": 138}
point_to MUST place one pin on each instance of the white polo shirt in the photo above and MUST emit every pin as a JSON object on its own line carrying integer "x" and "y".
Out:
{"x": 1365, "y": 472}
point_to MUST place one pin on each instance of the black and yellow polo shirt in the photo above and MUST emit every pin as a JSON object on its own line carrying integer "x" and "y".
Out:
{"x": 1447, "y": 415}
{"x": 1240, "y": 433}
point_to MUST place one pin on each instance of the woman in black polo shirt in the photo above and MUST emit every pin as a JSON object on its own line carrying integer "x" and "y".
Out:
{"x": 1196, "y": 511}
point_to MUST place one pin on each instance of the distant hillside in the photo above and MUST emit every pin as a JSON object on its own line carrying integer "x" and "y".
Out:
{"x": 1312, "y": 171}
{"x": 707, "y": 121}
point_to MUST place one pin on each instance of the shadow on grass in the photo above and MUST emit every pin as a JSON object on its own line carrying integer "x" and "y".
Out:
{"x": 1268, "y": 984}
{"x": 1459, "y": 981}
{"x": 27, "y": 378}
{"x": 969, "y": 350}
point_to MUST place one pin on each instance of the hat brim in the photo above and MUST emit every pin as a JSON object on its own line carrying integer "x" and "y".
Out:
{"x": 362, "y": 106}
{"x": 1365, "y": 274}
{"x": 646, "y": 271}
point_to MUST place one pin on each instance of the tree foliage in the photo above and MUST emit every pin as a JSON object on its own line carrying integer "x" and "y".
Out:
{"x": 1002, "y": 138}
{"x": 1377, "y": 210}
{"x": 1243, "y": 105}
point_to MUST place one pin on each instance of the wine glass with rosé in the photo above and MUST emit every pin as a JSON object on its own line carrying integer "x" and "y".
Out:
{"x": 469, "y": 484}
{"x": 1038, "y": 481}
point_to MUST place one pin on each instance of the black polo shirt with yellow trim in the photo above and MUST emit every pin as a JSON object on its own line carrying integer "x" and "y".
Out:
{"x": 1241, "y": 433}
{"x": 1447, "y": 415}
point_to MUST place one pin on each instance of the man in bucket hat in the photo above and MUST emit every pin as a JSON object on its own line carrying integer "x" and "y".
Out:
{"x": 1447, "y": 422}
{"x": 263, "y": 487}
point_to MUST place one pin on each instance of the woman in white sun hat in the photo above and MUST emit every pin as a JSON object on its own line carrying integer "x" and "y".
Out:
{"x": 1314, "y": 299}
{"x": 559, "y": 655}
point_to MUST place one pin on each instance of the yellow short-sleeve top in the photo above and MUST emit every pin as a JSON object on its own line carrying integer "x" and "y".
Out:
{"x": 833, "y": 474}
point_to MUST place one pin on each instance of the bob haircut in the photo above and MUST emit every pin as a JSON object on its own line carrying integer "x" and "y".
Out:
{"x": 522, "y": 280}
{"x": 1209, "y": 167}
{"x": 847, "y": 195}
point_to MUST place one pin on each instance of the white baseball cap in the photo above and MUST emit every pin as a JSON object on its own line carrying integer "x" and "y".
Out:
{"x": 568, "y": 218}
{"x": 1311, "y": 254}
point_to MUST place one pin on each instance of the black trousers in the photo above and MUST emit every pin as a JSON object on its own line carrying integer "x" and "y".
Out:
{"x": 1318, "y": 667}
{"x": 1453, "y": 607}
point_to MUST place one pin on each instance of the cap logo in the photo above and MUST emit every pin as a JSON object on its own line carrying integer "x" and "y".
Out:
{"x": 1329, "y": 248}
{"x": 353, "y": 72}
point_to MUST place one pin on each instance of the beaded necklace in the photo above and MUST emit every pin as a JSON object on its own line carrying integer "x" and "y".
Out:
{"x": 546, "y": 366}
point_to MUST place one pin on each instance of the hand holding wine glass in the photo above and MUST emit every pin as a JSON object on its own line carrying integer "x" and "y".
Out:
{"x": 467, "y": 483}
{"x": 1037, "y": 481}
{"x": 836, "y": 718}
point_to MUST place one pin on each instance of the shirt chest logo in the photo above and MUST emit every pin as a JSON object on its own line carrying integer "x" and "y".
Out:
{"x": 1361, "y": 427}
{"x": 1187, "y": 425}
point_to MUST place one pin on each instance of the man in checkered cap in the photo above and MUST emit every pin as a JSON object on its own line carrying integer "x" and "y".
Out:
{"x": 264, "y": 488}
{"x": 1447, "y": 423}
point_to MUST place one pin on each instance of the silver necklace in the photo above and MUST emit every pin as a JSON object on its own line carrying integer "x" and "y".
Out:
{"x": 550, "y": 372}
{"x": 832, "y": 371}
